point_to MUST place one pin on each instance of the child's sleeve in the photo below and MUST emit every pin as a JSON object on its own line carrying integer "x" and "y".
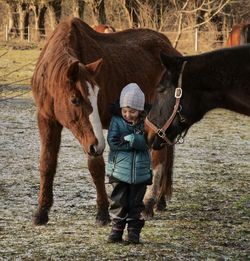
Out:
{"x": 113, "y": 133}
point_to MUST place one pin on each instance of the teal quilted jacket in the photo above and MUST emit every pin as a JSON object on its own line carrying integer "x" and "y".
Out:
{"x": 129, "y": 162}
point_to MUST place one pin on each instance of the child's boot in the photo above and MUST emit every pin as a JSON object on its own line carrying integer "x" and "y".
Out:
{"x": 116, "y": 233}
{"x": 134, "y": 230}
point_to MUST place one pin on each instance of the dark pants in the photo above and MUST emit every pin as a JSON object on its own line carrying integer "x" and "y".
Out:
{"x": 127, "y": 204}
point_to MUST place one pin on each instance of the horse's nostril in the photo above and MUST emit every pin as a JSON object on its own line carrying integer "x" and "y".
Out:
{"x": 92, "y": 149}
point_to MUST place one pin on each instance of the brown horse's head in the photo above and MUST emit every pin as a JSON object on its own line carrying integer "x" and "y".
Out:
{"x": 104, "y": 28}
{"x": 65, "y": 88}
{"x": 75, "y": 105}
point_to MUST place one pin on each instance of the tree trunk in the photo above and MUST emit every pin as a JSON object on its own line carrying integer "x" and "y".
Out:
{"x": 75, "y": 8}
{"x": 78, "y": 8}
{"x": 22, "y": 9}
{"x": 26, "y": 25}
{"x": 35, "y": 10}
{"x": 102, "y": 13}
{"x": 13, "y": 19}
{"x": 99, "y": 13}
{"x": 56, "y": 7}
{"x": 81, "y": 8}
{"x": 41, "y": 21}
{"x": 52, "y": 18}
{"x": 132, "y": 10}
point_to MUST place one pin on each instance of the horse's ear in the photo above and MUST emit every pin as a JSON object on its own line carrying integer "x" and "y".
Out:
{"x": 94, "y": 68}
{"x": 73, "y": 71}
{"x": 170, "y": 62}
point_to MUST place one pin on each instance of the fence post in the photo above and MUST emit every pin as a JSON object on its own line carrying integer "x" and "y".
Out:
{"x": 6, "y": 33}
{"x": 196, "y": 45}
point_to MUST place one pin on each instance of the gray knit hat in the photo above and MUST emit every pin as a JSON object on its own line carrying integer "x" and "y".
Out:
{"x": 133, "y": 97}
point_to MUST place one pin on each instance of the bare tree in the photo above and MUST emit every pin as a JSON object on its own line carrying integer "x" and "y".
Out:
{"x": 55, "y": 7}
{"x": 13, "y": 23}
{"x": 196, "y": 14}
{"x": 131, "y": 8}
{"x": 78, "y": 8}
{"x": 163, "y": 15}
{"x": 39, "y": 8}
{"x": 99, "y": 12}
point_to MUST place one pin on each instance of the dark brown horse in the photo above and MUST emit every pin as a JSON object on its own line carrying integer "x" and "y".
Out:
{"x": 104, "y": 28}
{"x": 194, "y": 85}
{"x": 239, "y": 35}
{"x": 79, "y": 73}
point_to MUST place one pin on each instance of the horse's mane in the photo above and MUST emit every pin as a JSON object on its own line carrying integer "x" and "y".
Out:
{"x": 219, "y": 52}
{"x": 60, "y": 51}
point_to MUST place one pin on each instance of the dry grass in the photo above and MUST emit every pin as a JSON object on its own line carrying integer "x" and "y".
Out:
{"x": 16, "y": 69}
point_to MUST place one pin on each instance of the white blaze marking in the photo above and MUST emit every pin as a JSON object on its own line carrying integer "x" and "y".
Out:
{"x": 94, "y": 118}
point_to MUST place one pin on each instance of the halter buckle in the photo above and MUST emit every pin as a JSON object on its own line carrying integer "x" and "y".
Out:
{"x": 178, "y": 92}
{"x": 161, "y": 133}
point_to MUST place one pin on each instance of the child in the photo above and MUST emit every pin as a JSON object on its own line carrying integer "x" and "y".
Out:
{"x": 129, "y": 165}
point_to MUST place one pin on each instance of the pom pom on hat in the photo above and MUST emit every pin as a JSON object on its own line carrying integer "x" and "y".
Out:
{"x": 133, "y": 97}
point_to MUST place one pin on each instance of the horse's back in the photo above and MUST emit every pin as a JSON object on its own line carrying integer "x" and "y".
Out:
{"x": 132, "y": 55}
{"x": 76, "y": 30}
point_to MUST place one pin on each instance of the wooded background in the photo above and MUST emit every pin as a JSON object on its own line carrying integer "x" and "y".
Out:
{"x": 37, "y": 18}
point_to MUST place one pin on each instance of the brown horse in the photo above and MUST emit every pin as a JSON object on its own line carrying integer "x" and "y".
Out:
{"x": 104, "y": 28}
{"x": 79, "y": 73}
{"x": 194, "y": 85}
{"x": 239, "y": 35}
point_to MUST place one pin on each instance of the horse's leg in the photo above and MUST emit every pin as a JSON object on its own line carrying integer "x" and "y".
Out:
{"x": 96, "y": 167}
{"x": 162, "y": 162}
{"x": 50, "y": 136}
{"x": 165, "y": 191}
{"x": 150, "y": 197}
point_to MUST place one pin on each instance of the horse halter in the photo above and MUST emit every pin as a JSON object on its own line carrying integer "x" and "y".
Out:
{"x": 177, "y": 108}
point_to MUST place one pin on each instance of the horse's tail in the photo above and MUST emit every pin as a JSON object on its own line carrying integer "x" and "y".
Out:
{"x": 166, "y": 183}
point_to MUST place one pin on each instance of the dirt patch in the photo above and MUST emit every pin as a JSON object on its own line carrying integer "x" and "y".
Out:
{"x": 207, "y": 218}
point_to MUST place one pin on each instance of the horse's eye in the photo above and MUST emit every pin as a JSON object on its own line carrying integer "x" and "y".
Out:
{"x": 161, "y": 88}
{"x": 76, "y": 100}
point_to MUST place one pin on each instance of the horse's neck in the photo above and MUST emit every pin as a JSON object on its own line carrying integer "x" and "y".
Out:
{"x": 227, "y": 94}
{"x": 238, "y": 101}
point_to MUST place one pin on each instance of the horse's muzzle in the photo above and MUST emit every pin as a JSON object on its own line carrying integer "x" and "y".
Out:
{"x": 93, "y": 151}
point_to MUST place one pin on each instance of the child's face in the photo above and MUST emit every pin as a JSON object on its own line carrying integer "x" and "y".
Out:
{"x": 130, "y": 115}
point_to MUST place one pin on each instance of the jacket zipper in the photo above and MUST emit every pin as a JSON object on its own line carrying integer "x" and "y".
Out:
{"x": 114, "y": 162}
{"x": 133, "y": 168}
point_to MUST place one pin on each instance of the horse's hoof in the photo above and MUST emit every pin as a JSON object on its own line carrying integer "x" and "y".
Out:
{"x": 148, "y": 212}
{"x": 40, "y": 218}
{"x": 160, "y": 208}
{"x": 103, "y": 218}
{"x": 161, "y": 205}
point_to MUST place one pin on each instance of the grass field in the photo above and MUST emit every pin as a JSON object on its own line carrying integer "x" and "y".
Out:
{"x": 16, "y": 69}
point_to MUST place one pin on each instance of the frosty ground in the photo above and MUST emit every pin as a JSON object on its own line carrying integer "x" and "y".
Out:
{"x": 207, "y": 218}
